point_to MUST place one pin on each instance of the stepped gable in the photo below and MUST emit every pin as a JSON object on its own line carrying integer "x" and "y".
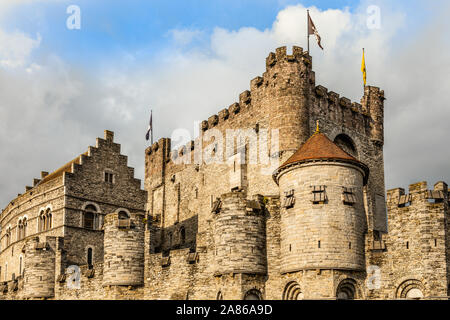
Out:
{"x": 65, "y": 168}
{"x": 320, "y": 147}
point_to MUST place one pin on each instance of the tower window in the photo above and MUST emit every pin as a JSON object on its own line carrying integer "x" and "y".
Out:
{"x": 289, "y": 199}
{"x": 318, "y": 244}
{"x": 109, "y": 177}
{"x": 407, "y": 244}
{"x": 348, "y": 196}
{"x": 89, "y": 220}
{"x": 319, "y": 195}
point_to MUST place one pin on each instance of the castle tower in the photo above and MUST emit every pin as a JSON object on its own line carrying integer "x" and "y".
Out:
{"x": 39, "y": 272}
{"x": 286, "y": 89}
{"x": 240, "y": 240}
{"x": 322, "y": 216}
{"x": 123, "y": 249}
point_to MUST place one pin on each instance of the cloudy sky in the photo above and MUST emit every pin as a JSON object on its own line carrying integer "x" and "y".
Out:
{"x": 60, "y": 88}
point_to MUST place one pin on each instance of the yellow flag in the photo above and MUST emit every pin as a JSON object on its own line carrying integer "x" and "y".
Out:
{"x": 363, "y": 68}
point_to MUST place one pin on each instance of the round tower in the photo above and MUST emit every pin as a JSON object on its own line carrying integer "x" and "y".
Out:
{"x": 39, "y": 271}
{"x": 322, "y": 216}
{"x": 123, "y": 249}
{"x": 240, "y": 235}
{"x": 287, "y": 85}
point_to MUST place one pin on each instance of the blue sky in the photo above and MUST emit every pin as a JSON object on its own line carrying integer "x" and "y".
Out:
{"x": 60, "y": 88}
{"x": 112, "y": 28}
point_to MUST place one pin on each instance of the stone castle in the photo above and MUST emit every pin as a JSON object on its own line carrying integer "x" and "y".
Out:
{"x": 215, "y": 225}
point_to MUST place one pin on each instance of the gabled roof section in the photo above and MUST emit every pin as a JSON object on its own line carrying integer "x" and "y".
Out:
{"x": 65, "y": 168}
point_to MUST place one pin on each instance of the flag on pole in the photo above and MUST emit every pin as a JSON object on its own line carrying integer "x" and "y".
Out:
{"x": 363, "y": 68}
{"x": 150, "y": 128}
{"x": 313, "y": 30}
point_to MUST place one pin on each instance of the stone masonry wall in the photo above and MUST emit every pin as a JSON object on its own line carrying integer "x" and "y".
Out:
{"x": 416, "y": 247}
{"x": 328, "y": 235}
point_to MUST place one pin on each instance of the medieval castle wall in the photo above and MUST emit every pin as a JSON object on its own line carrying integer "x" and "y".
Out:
{"x": 212, "y": 222}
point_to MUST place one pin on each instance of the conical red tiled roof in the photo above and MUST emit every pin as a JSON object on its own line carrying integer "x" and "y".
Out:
{"x": 319, "y": 146}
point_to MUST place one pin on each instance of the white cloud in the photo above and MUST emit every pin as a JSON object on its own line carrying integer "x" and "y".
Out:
{"x": 16, "y": 48}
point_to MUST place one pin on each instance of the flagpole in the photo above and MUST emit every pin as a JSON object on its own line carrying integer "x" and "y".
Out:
{"x": 307, "y": 27}
{"x": 151, "y": 117}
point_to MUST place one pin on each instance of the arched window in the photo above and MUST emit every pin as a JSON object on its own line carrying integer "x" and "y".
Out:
{"x": 8, "y": 236}
{"x": 49, "y": 221}
{"x": 42, "y": 221}
{"x": 292, "y": 291}
{"x": 253, "y": 294}
{"x": 346, "y": 290}
{"x": 346, "y": 144}
{"x": 45, "y": 220}
{"x": 89, "y": 257}
{"x": 182, "y": 235}
{"x": 19, "y": 229}
{"x": 90, "y": 217}
{"x": 123, "y": 215}
{"x": 25, "y": 223}
{"x": 219, "y": 295}
{"x": 124, "y": 219}
{"x": 410, "y": 289}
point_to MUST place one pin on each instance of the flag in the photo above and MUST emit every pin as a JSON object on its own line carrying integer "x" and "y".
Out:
{"x": 150, "y": 128}
{"x": 312, "y": 30}
{"x": 363, "y": 68}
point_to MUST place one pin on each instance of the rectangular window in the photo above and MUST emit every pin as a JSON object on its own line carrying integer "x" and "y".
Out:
{"x": 289, "y": 199}
{"x": 89, "y": 220}
{"x": 319, "y": 195}
{"x": 108, "y": 177}
{"x": 348, "y": 196}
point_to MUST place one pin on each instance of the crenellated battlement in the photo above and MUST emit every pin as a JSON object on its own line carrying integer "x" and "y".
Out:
{"x": 335, "y": 100}
{"x": 418, "y": 194}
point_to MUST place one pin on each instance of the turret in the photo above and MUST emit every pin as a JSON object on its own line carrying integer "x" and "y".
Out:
{"x": 39, "y": 271}
{"x": 322, "y": 216}
{"x": 123, "y": 249}
{"x": 239, "y": 234}
{"x": 286, "y": 90}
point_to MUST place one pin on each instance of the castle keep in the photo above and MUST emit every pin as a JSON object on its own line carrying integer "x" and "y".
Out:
{"x": 284, "y": 209}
